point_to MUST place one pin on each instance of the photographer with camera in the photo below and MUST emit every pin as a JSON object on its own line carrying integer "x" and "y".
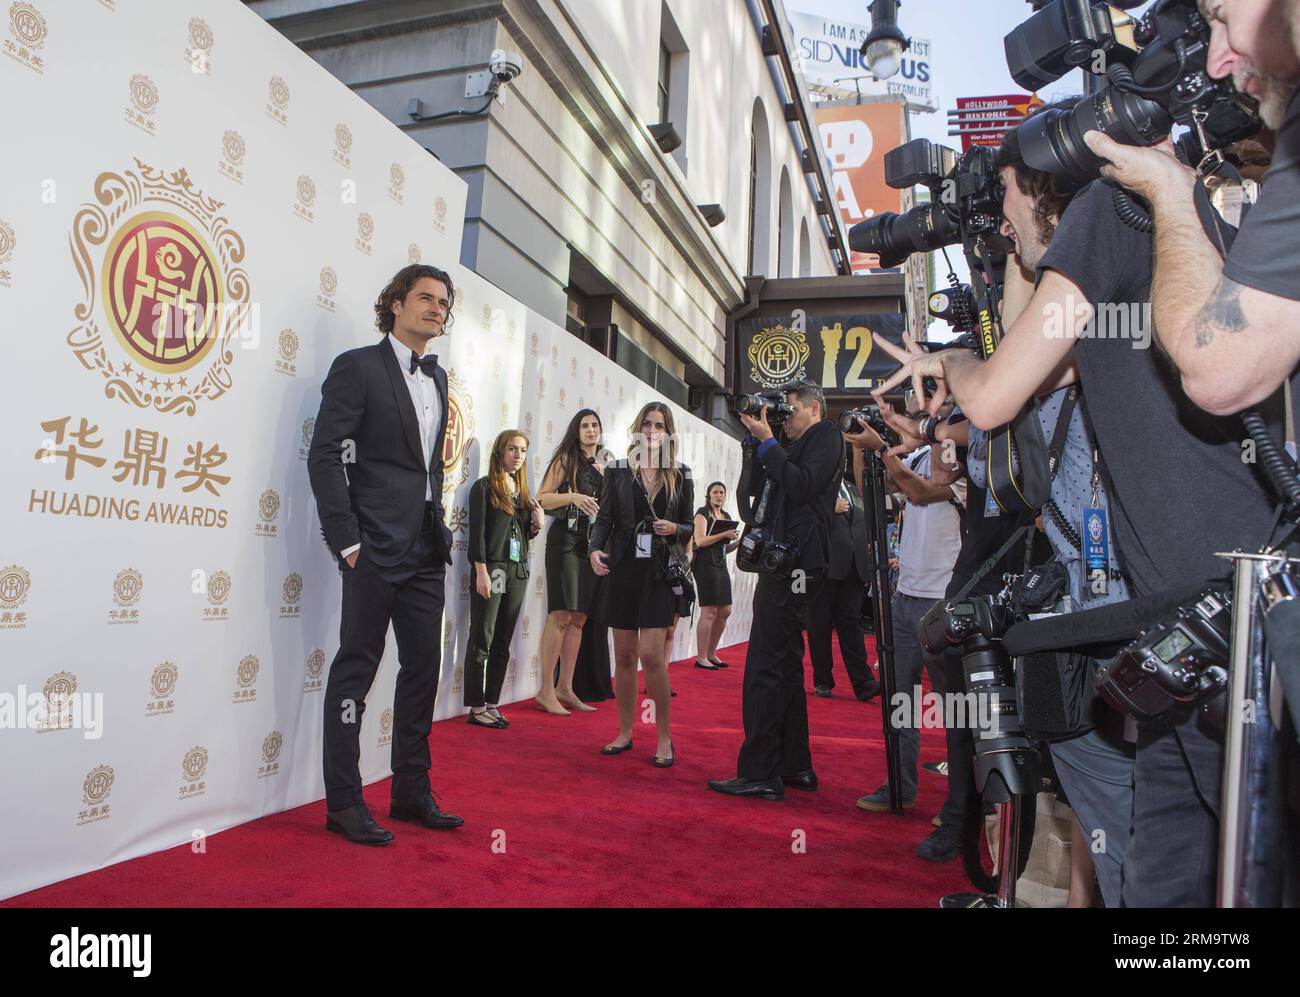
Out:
{"x": 1151, "y": 441}
{"x": 1230, "y": 327}
{"x": 786, "y": 496}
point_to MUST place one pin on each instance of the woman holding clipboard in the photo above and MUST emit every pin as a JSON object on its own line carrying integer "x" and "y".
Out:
{"x": 715, "y": 536}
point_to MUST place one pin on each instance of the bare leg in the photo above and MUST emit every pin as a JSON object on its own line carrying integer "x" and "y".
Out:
{"x": 625, "y": 655}
{"x": 721, "y": 615}
{"x": 557, "y": 624}
{"x": 1081, "y": 880}
{"x": 568, "y": 662}
{"x": 655, "y": 666}
{"x": 704, "y": 631}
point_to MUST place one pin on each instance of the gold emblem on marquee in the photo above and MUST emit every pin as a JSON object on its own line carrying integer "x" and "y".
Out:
{"x": 7, "y": 241}
{"x": 28, "y": 25}
{"x": 98, "y": 784}
{"x": 457, "y": 679}
{"x": 365, "y": 226}
{"x": 218, "y": 588}
{"x": 440, "y": 214}
{"x": 460, "y": 430}
{"x": 163, "y": 680}
{"x": 293, "y": 588}
{"x": 194, "y": 764}
{"x": 308, "y": 431}
{"x": 777, "y": 356}
{"x": 268, "y": 505}
{"x": 271, "y": 746}
{"x": 14, "y": 583}
{"x": 289, "y": 345}
{"x": 343, "y": 138}
{"x": 127, "y": 587}
{"x": 246, "y": 674}
{"x": 397, "y": 176}
{"x": 144, "y": 253}
{"x": 315, "y": 663}
{"x": 233, "y": 146}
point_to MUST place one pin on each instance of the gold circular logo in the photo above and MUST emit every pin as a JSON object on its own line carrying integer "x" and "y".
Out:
{"x": 14, "y": 583}
{"x": 315, "y": 663}
{"x": 460, "y": 430}
{"x": 778, "y": 356}
{"x": 541, "y": 387}
{"x": 591, "y": 377}
{"x": 58, "y": 690}
{"x": 279, "y": 92}
{"x": 97, "y": 785}
{"x": 194, "y": 764}
{"x": 306, "y": 191}
{"x": 365, "y": 226}
{"x": 233, "y": 146}
{"x": 329, "y": 280}
{"x": 268, "y": 505}
{"x": 26, "y": 22}
{"x": 343, "y": 137}
{"x": 162, "y": 292}
{"x": 7, "y": 241}
{"x": 271, "y": 746}
{"x": 164, "y": 679}
{"x": 539, "y": 584}
{"x": 386, "y": 721}
{"x": 413, "y": 253}
{"x": 511, "y": 668}
{"x": 127, "y": 587}
{"x": 397, "y": 176}
{"x": 144, "y": 95}
{"x": 457, "y": 677}
{"x": 246, "y": 674}
{"x": 293, "y": 588}
{"x": 532, "y": 667}
{"x": 440, "y": 208}
{"x": 218, "y": 588}
{"x": 308, "y": 431}
{"x": 200, "y": 35}
{"x": 289, "y": 345}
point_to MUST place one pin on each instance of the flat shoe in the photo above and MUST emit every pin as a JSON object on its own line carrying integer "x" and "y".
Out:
{"x": 717, "y": 664}
{"x": 706, "y": 665}
{"x": 616, "y": 749}
{"x": 476, "y": 720}
{"x": 660, "y": 762}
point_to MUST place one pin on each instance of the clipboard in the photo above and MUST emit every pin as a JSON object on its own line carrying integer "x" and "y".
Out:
{"x": 722, "y": 526}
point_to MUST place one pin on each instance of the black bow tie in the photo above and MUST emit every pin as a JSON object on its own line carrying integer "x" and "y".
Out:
{"x": 427, "y": 363}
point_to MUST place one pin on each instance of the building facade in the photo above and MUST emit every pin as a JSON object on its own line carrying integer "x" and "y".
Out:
{"x": 647, "y": 158}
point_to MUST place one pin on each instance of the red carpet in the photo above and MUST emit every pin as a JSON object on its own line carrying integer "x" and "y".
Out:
{"x": 581, "y": 829}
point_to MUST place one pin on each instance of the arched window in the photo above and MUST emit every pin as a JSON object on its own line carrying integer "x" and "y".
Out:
{"x": 805, "y": 250}
{"x": 785, "y": 228}
{"x": 760, "y": 193}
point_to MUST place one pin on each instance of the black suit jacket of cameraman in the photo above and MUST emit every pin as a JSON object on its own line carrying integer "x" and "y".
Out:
{"x": 807, "y": 475}
{"x": 617, "y": 516}
{"x": 848, "y": 540}
{"x": 379, "y": 496}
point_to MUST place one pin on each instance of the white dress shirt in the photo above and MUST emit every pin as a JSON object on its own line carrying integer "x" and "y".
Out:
{"x": 428, "y": 413}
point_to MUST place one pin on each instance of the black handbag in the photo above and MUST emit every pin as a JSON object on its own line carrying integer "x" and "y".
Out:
{"x": 679, "y": 572}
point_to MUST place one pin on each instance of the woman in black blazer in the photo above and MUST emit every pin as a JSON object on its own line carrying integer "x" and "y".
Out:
{"x": 503, "y": 518}
{"x": 711, "y": 577}
{"x": 645, "y": 504}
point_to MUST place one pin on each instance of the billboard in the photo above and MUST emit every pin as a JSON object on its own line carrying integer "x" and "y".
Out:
{"x": 831, "y": 345}
{"x": 829, "y": 57}
{"x": 855, "y": 138}
{"x": 986, "y": 120}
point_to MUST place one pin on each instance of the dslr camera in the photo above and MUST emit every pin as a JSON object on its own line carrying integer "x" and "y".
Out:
{"x": 760, "y": 552}
{"x": 778, "y": 408}
{"x": 1156, "y": 73}
{"x": 965, "y": 203}
{"x": 854, "y": 420}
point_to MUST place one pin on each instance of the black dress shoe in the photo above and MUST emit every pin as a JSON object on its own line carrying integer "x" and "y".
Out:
{"x": 869, "y": 691}
{"x": 356, "y": 824}
{"x": 484, "y": 720}
{"x": 807, "y": 779}
{"x": 423, "y": 811}
{"x": 762, "y": 789}
{"x": 822, "y": 691}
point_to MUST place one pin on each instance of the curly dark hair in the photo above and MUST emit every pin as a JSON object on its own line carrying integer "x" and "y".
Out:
{"x": 400, "y": 286}
{"x": 1049, "y": 194}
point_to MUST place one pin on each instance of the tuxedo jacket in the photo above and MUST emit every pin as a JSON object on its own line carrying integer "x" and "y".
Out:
{"x": 366, "y": 463}
{"x": 617, "y": 518}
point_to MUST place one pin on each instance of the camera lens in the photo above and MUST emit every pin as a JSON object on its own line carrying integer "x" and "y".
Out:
{"x": 1052, "y": 141}
{"x": 894, "y": 237}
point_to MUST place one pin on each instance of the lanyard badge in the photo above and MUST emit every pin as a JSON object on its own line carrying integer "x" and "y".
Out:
{"x": 516, "y": 544}
{"x": 1096, "y": 543}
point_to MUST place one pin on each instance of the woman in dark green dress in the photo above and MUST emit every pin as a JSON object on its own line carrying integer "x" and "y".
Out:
{"x": 569, "y": 492}
{"x": 645, "y": 504}
{"x": 503, "y": 519}
{"x": 711, "y": 577}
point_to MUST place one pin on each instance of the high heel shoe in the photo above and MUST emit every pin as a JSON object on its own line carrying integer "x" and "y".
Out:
{"x": 660, "y": 762}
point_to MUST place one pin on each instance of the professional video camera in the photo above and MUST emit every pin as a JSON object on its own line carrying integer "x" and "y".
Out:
{"x": 1156, "y": 69}
{"x": 966, "y": 195}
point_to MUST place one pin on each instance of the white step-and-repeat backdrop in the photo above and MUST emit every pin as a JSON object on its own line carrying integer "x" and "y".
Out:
{"x": 195, "y": 219}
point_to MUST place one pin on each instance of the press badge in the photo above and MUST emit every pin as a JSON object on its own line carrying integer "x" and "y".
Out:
{"x": 573, "y": 518}
{"x": 644, "y": 545}
{"x": 1096, "y": 551}
{"x": 516, "y": 547}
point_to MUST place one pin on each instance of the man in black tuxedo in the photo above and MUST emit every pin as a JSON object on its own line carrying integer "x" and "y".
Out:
{"x": 789, "y": 489}
{"x": 376, "y": 470}
{"x": 839, "y": 603}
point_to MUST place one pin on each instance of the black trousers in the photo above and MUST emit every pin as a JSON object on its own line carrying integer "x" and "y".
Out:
{"x": 838, "y": 606}
{"x": 411, "y": 597}
{"x": 961, "y": 746}
{"x": 491, "y": 628}
{"x": 774, "y": 706}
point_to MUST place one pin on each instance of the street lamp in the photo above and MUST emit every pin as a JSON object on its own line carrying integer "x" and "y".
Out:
{"x": 884, "y": 47}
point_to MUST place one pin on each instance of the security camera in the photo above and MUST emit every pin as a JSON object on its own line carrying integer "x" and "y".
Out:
{"x": 505, "y": 65}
